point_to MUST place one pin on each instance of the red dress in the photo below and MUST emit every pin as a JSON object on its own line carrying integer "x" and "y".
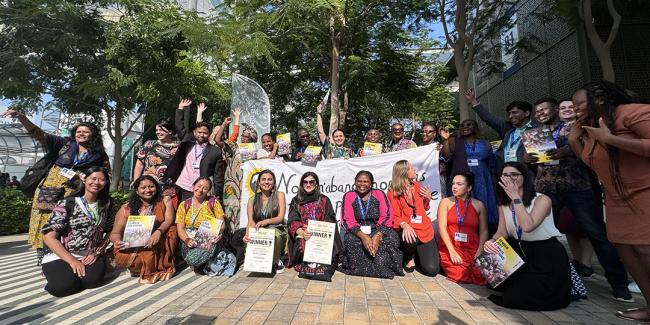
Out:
{"x": 467, "y": 272}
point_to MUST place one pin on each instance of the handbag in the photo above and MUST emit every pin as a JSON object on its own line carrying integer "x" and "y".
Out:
{"x": 35, "y": 174}
{"x": 317, "y": 271}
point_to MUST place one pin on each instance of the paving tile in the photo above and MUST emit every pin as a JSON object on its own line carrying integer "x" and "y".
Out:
{"x": 292, "y": 293}
{"x": 208, "y": 311}
{"x": 315, "y": 289}
{"x": 304, "y": 319}
{"x": 309, "y": 307}
{"x": 263, "y": 305}
{"x": 225, "y": 321}
{"x": 331, "y": 314}
{"x": 254, "y": 317}
{"x": 381, "y": 315}
{"x": 311, "y": 299}
{"x": 355, "y": 290}
{"x": 283, "y": 312}
{"x": 236, "y": 310}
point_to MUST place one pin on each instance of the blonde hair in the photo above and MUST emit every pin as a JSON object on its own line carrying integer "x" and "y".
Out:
{"x": 400, "y": 180}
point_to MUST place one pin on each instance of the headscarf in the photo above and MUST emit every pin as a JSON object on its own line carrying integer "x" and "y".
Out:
{"x": 251, "y": 130}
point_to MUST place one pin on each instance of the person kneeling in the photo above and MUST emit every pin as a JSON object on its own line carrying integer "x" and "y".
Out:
{"x": 311, "y": 206}
{"x": 462, "y": 223}
{"x": 525, "y": 219}
{"x": 203, "y": 255}
{"x": 155, "y": 261}
{"x": 75, "y": 237}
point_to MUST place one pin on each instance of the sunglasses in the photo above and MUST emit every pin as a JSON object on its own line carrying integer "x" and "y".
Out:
{"x": 397, "y": 130}
{"x": 309, "y": 182}
{"x": 428, "y": 131}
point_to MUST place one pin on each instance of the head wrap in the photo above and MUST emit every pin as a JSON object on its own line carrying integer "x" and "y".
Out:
{"x": 251, "y": 130}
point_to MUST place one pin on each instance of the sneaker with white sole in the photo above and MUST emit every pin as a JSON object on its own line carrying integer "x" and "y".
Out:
{"x": 279, "y": 268}
{"x": 623, "y": 295}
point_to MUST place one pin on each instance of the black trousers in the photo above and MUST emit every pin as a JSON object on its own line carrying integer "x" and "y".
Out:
{"x": 61, "y": 281}
{"x": 426, "y": 256}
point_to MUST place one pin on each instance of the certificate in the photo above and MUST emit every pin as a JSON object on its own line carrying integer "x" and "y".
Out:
{"x": 318, "y": 249}
{"x": 259, "y": 251}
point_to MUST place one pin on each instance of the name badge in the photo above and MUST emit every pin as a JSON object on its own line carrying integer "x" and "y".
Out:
{"x": 196, "y": 165}
{"x": 67, "y": 173}
{"x": 366, "y": 230}
{"x": 552, "y": 163}
{"x": 460, "y": 237}
{"x": 416, "y": 219}
{"x": 510, "y": 155}
{"x": 472, "y": 162}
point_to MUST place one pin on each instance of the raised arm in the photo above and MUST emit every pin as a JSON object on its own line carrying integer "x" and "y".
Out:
{"x": 500, "y": 125}
{"x": 319, "y": 123}
{"x": 199, "y": 112}
{"x": 180, "y": 118}
{"x": 33, "y": 130}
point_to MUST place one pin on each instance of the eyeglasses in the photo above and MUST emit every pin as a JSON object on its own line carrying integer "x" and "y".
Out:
{"x": 309, "y": 182}
{"x": 397, "y": 130}
{"x": 428, "y": 131}
{"x": 511, "y": 175}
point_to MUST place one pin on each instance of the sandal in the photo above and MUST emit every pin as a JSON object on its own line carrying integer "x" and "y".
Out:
{"x": 633, "y": 314}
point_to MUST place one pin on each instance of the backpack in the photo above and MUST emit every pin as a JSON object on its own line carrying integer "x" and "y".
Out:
{"x": 35, "y": 174}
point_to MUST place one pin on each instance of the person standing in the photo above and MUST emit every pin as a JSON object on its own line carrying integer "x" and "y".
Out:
{"x": 333, "y": 146}
{"x": 519, "y": 120}
{"x": 398, "y": 142}
{"x": 568, "y": 183}
{"x": 409, "y": 202}
{"x": 71, "y": 155}
{"x": 612, "y": 137}
{"x": 468, "y": 153}
{"x": 303, "y": 141}
{"x": 195, "y": 157}
{"x": 155, "y": 155}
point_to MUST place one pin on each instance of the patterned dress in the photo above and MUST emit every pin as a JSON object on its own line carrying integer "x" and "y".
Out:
{"x": 387, "y": 262}
{"x": 332, "y": 151}
{"x": 155, "y": 157}
{"x": 403, "y": 144}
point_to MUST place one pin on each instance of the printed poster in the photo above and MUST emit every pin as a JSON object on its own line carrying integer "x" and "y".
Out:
{"x": 137, "y": 231}
{"x": 208, "y": 233}
{"x": 496, "y": 268}
{"x": 538, "y": 141}
{"x": 371, "y": 148}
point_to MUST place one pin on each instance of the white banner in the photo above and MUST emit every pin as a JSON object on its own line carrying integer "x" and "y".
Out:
{"x": 336, "y": 176}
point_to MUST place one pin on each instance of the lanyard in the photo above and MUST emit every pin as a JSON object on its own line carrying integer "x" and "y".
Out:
{"x": 556, "y": 134}
{"x": 194, "y": 216}
{"x": 91, "y": 214}
{"x": 196, "y": 154}
{"x": 514, "y": 138}
{"x": 412, "y": 200}
{"x": 364, "y": 211}
{"x": 461, "y": 220}
{"x": 514, "y": 220}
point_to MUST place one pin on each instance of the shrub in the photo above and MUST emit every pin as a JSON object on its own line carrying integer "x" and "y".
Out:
{"x": 14, "y": 211}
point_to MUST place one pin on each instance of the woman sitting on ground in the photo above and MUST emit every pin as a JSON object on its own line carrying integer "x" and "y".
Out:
{"x": 371, "y": 246}
{"x": 155, "y": 261}
{"x": 190, "y": 215}
{"x": 75, "y": 237}
{"x": 462, "y": 223}
{"x": 266, "y": 210}
{"x": 310, "y": 205}
{"x": 409, "y": 203}
{"x": 526, "y": 220}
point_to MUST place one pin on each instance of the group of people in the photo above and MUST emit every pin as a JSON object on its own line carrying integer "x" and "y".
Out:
{"x": 601, "y": 135}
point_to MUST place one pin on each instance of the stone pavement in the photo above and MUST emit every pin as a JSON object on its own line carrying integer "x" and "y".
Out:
{"x": 283, "y": 299}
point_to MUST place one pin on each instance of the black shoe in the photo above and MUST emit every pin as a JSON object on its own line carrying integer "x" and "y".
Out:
{"x": 582, "y": 269}
{"x": 409, "y": 269}
{"x": 622, "y": 294}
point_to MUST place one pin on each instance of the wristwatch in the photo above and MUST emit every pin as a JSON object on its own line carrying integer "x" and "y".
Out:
{"x": 517, "y": 201}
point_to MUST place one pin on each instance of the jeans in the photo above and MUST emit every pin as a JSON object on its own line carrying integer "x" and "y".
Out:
{"x": 588, "y": 212}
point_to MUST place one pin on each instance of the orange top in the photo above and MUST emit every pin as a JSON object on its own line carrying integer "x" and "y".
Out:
{"x": 235, "y": 133}
{"x": 403, "y": 208}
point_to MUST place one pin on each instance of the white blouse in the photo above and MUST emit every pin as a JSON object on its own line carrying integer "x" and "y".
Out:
{"x": 544, "y": 230}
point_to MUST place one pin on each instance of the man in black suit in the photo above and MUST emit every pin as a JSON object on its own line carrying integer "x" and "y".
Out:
{"x": 195, "y": 157}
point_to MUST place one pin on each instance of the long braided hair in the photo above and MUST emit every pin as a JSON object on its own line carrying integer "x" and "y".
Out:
{"x": 603, "y": 99}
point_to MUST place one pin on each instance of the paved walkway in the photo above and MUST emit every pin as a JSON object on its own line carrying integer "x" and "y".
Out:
{"x": 283, "y": 299}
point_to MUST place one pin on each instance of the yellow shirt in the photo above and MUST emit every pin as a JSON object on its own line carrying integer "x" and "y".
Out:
{"x": 204, "y": 212}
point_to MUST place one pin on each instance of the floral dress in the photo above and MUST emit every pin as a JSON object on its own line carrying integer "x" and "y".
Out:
{"x": 155, "y": 157}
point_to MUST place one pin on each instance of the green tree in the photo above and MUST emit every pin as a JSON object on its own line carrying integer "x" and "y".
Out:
{"x": 357, "y": 48}
{"x": 110, "y": 57}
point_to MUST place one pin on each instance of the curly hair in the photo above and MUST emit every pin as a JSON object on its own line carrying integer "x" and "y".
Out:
{"x": 135, "y": 202}
{"x": 95, "y": 144}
